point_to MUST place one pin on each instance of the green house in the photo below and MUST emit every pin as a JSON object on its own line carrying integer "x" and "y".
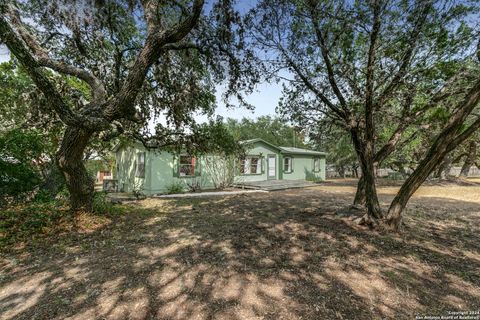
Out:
{"x": 154, "y": 171}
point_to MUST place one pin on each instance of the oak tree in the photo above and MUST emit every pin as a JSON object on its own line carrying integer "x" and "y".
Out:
{"x": 140, "y": 61}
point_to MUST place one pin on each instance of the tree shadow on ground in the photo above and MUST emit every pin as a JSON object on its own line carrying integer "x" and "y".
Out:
{"x": 270, "y": 256}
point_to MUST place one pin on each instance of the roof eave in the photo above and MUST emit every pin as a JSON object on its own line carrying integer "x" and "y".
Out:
{"x": 251, "y": 141}
{"x": 313, "y": 153}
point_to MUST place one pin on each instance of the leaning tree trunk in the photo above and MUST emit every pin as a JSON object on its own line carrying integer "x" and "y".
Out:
{"x": 470, "y": 159}
{"x": 446, "y": 141}
{"x": 432, "y": 160}
{"x": 413, "y": 182}
{"x": 69, "y": 159}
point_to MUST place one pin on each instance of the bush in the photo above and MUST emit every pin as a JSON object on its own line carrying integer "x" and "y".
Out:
{"x": 314, "y": 179}
{"x": 19, "y": 176}
{"x": 175, "y": 187}
{"x": 101, "y": 204}
{"x": 43, "y": 196}
{"x": 63, "y": 195}
{"x": 138, "y": 190}
{"x": 33, "y": 223}
{"x": 194, "y": 185}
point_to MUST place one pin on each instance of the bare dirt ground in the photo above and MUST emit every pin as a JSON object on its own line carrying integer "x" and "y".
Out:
{"x": 280, "y": 255}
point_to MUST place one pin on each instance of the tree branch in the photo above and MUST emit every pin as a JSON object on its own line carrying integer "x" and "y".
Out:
{"x": 407, "y": 56}
{"x": 123, "y": 102}
{"x": 312, "y": 87}
{"x": 326, "y": 58}
{"x": 22, "y": 53}
{"x": 391, "y": 144}
{"x": 464, "y": 135}
{"x": 372, "y": 57}
{"x": 183, "y": 46}
{"x": 98, "y": 90}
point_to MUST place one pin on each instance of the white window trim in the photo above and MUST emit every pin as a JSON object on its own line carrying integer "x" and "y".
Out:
{"x": 246, "y": 163}
{"x": 290, "y": 169}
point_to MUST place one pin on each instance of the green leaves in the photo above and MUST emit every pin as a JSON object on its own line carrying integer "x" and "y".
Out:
{"x": 20, "y": 157}
{"x": 273, "y": 130}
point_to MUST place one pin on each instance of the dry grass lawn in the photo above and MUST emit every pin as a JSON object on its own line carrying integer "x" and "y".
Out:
{"x": 281, "y": 255}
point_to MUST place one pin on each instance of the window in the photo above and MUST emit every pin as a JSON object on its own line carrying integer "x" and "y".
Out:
{"x": 187, "y": 166}
{"x": 316, "y": 164}
{"x": 140, "y": 167}
{"x": 287, "y": 164}
{"x": 250, "y": 165}
{"x": 255, "y": 166}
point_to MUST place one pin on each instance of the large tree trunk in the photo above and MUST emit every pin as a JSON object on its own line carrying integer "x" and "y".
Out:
{"x": 69, "y": 159}
{"x": 470, "y": 159}
{"x": 365, "y": 154}
{"x": 360, "y": 197}
{"x": 378, "y": 158}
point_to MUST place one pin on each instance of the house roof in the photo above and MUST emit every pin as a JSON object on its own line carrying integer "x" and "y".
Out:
{"x": 293, "y": 150}
{"x": 250, "y": 141}
{"x": 286, "y": 150}
{"x": 283, "y": 150}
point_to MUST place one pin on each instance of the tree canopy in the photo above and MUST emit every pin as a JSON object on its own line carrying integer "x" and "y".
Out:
{"x": 109, "y": 68}
{"x": 271, "y": 129}
{"x": 373, "y": 68}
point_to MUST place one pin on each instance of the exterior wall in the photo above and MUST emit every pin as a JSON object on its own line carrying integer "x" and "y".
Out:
{"x": 262, "y": 150}
{"x": 161, "y": 169}
{"x": 303, "y": 168}
{"x": 126, "y": 158}
{"x": 163, "y": 173}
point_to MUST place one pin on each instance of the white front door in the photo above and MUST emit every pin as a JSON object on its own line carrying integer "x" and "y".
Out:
{"x": 272, "y": 167}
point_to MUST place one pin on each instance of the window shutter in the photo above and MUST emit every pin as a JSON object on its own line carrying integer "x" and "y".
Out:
{"x": 175, "y": 162}
{"x": 262, "y": 164}
{"x": 291, "y": 164}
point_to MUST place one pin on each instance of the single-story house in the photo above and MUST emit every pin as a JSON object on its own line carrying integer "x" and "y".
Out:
{"x": 155, "y": 171}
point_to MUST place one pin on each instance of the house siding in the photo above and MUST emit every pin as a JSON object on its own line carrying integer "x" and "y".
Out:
{"x": 126, "y": 158}
{"x": 161, "y": 169}
{"x": 163, "y": 173}
{"x": 303, "y": 168}
{"x": 261, "y": 150}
